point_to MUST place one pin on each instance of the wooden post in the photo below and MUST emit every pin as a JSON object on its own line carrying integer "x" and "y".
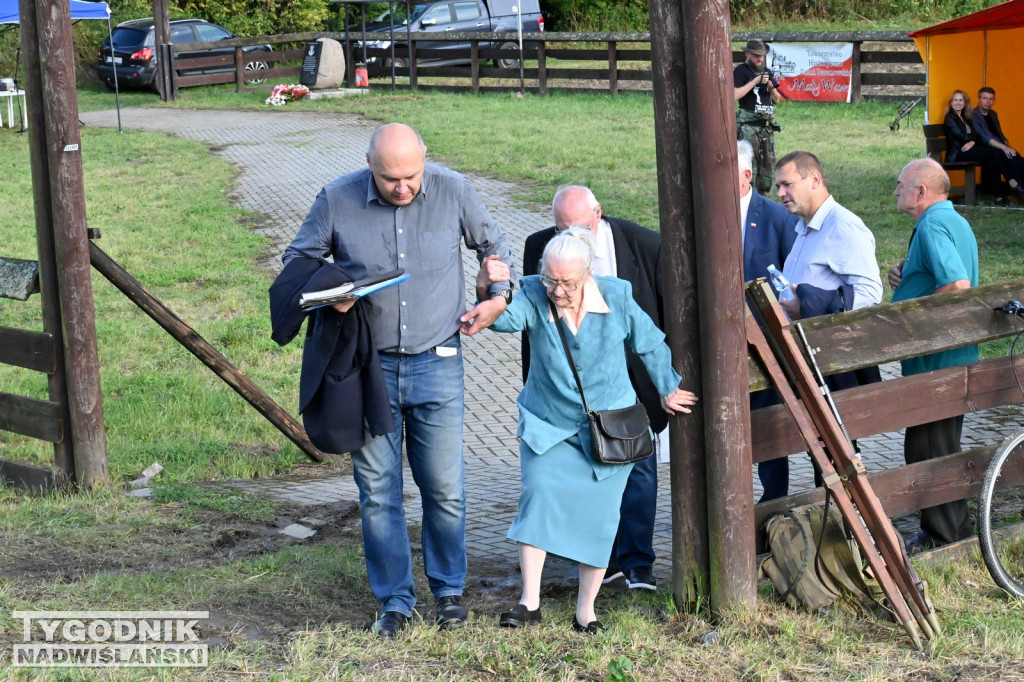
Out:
{"x": 707, "y": 44}
{"x": 691, "y": 52}
{"x": 67, "y": 201}
{"x": 542, "y": 68}
{"x": 162, "y": 37}
{"x": 63, "y": 453}
{"x": 239, "y": 68}
{"x": 413, "y": 78}
{"x": 690, "y": 583}
{"x": 613, "y": 68}
{"x": 474, "y": 56}
{"x": 855, "y": 84}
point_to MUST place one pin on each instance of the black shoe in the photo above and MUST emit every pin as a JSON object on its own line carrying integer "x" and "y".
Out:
{"x": 919, "y": 542}
{"x": 390, "y": 624}
{"x": 641, "y": 578}
{"x": 451, "y": 613}
{"x": 519, "y": 616}
{"x": 591, "y": 628}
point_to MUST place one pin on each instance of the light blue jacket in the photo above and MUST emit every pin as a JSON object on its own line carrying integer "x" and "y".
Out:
{"x": 550, "y": 407}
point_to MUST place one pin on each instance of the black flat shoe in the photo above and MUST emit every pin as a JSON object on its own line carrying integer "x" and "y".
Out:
{"x": 390, "y": 624}
{"x": 519, "y": 616}
{"x": 591, "y": 628}
{"x": 451, "y": 612}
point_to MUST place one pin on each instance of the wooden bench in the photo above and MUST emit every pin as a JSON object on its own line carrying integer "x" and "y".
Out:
{"x": 935, "y": 141}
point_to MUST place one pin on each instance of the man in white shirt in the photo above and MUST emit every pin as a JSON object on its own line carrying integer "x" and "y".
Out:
{"x": 833, "y": 247}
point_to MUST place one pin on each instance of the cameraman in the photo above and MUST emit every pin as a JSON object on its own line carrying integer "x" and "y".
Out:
{"x": 757, "y": 91}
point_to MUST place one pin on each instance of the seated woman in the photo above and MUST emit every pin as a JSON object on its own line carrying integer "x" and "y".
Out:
{"x": 569, "y": 505}
{"x": 962, "y": 146}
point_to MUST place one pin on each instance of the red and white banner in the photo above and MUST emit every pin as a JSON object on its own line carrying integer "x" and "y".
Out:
{"x": 812, "y": 72}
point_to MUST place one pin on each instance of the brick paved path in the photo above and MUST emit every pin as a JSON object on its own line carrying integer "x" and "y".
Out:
{"x": 284, "y": 158}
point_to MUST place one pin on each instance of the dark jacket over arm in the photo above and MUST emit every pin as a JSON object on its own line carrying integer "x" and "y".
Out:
{"x": 342, "y": 393}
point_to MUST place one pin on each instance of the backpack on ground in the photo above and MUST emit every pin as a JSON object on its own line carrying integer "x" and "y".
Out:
{"x": 810, "y": 567}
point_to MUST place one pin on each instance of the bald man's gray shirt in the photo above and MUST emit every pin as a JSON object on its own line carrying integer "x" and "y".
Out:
{"x": 367, "y": 235}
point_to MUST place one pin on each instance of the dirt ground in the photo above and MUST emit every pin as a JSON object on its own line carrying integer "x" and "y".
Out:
{"x": 33, "y": 565}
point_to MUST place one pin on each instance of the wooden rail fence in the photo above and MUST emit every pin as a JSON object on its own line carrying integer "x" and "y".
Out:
{"x": 884, "y": 333}
{"x": 885, "y": 66}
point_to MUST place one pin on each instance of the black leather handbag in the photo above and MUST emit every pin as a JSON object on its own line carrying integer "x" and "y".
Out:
{"x": 620, "y": 436}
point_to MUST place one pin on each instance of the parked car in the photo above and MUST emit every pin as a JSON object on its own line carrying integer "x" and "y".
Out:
{"x": 445, "y": 16}
{"x": 134, "y": 53}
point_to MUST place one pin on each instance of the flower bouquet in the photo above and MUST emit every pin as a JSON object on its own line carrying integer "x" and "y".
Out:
{"x": 286, "y": 93}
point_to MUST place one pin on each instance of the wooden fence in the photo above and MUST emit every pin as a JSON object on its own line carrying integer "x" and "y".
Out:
{"x": 884, "y": 333}
{"x": 885, "y": 66}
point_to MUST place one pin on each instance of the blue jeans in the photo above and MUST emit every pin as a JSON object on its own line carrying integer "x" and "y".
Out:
{"x": 634, "y": 543}
{"x": 427, "y": 400}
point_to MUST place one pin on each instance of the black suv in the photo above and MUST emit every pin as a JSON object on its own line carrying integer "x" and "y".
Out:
{"x": 134, "y": 53}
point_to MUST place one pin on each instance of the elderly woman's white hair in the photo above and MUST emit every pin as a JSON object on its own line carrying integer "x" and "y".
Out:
{"x": 573, "y": 244}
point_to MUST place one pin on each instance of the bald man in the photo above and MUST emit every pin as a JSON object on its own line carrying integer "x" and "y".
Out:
{"x": 942, "y": 256}
{"x": 401, "y": 212}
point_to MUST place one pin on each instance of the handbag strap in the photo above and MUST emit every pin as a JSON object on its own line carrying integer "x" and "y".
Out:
{"x": 568, "y": 354}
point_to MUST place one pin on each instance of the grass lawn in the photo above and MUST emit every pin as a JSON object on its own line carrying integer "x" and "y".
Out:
{"x": 162, "y": 205}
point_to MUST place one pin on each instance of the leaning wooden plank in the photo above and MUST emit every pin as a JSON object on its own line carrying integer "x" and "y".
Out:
{"x": 31, "y": 417}
{"x": 20, "y": 475}
{"x": 28, "y": 349}
{"x": 896, "y": 331}
{"x": 19, "y": 278}
{"x": 897, "y": 403}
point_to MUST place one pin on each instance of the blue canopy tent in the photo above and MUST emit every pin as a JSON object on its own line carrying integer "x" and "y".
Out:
{"x": 80, "y": 9}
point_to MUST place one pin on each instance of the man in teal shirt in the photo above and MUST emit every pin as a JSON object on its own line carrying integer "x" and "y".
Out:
{"x": 942, "y": 256}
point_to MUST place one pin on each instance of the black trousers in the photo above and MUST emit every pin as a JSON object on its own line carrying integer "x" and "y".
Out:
{"x": 945, "y": 522}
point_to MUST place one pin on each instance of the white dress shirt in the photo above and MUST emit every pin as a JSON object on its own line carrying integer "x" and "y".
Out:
{"x": 744, "y": 207}
{"x": 604, "y": 251}
{"x": 836, "y": 248}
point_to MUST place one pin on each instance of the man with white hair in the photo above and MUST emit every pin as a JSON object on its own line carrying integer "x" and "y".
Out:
{"x": 630, "y": 252}
{"x": 942, "y": 256}
{"x": 768, "y": 234}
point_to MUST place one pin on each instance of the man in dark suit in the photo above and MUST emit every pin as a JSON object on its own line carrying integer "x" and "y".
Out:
{"x": 630, "y": 252}
{"x": 768, "y": 236}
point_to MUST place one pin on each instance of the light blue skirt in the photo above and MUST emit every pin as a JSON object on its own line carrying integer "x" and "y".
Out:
{"x": 563, "y": 508}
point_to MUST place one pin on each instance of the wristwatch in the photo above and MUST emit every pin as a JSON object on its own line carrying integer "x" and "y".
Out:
{"x": 505, "y": 294}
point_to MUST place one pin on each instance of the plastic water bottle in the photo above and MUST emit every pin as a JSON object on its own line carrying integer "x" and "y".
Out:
{"x": 780, "y": 283}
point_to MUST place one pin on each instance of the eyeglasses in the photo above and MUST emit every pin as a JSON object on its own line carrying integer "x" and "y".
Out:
{"x": 566, "y": 286}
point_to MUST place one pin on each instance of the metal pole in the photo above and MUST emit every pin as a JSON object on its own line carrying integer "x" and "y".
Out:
{"x": 391, "y": 35}
{"x": 64, "y": 462}
{"x": 117, "y": 88}
{"x": 708, "y": 52}
{"x": 74, "y": 276}
{"x": 690, "y": 581}
{"x": 522, "y": 79}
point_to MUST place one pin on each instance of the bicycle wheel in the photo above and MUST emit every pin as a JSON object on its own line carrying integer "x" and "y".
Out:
{"x": 999, "y": 516}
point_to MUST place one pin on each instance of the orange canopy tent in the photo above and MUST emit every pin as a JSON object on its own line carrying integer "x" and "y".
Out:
{"x": 973, "y": 51}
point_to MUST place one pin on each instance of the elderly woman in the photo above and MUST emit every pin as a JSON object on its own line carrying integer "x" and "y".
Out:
{"x": 569, "y": 505}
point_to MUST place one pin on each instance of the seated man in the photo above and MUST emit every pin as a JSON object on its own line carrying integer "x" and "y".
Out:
{"x": 987, "y": 131}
